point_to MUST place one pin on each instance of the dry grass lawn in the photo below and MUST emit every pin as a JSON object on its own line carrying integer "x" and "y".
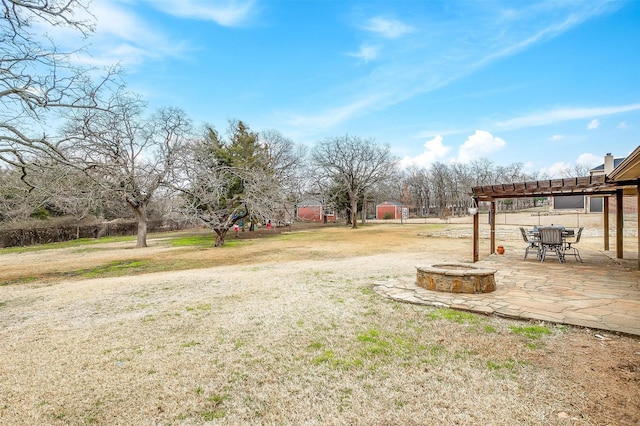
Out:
{"x": 284, "y": 330}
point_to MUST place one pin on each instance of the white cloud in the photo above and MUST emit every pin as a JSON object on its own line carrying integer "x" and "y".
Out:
{"x": 556, "y": 170}
{"x": 434, "y": 150}
{"x": 366, "y": 53}
{"x": 558, "y": 115}
{"x": 593, "y": 124}
{"x": 529, "y": 167}
{"x": 623, "y": 125}
{"x": 479, "y": 145}
{"x": 589, "y": 160}
{"x": 387, "y": 28}
{"x": 225, "y": 13}
{"x": 557, "y": 137}
{"x": 562, "y": 169}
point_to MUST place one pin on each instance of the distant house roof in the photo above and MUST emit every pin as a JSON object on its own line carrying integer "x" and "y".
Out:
{"x": 629, "y": 169}
{"x": 394, "y": 203}
{"x": 616, "y": 162}
{"x": 310, "y": 202}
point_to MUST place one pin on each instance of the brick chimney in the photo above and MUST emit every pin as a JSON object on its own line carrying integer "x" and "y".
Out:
{"x": 608, "y": 163}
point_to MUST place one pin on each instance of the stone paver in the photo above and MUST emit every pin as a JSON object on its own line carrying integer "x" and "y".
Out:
{"x": 601, "y": 293}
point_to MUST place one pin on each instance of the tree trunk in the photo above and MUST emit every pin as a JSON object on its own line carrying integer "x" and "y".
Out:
{"x": 141, "y": 216}
{"x": 354, "y": 213}
{"x": 220, "y": 235}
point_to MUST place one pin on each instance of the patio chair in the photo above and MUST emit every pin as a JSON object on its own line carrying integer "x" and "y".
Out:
{"x": 531, "y": 244}
{"x": 551, "y": 240}
{"x": 568, "y": 245}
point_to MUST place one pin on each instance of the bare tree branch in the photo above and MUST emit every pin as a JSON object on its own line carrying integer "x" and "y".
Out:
{"x": 127, "y": 155}
{"x": 359, "y": 164}
{"x": 39, "y": 84}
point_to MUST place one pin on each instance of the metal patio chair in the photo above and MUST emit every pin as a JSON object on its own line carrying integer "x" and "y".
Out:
{"x": 532, "y": 243}
{"x": 551, "y": 240}
{"x": 569, "y": 245}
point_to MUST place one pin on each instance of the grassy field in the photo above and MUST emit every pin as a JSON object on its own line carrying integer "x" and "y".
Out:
{"x": 284, "y": 328}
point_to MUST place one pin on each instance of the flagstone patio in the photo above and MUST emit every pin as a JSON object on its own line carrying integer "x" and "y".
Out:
{"x": 602, "y": 293}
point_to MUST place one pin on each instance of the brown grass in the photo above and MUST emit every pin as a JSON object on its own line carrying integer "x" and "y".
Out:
{"x": 286, "y": 330}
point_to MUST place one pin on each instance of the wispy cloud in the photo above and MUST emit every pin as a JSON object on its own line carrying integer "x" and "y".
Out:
{"x": 366, "y": 53}
{"x": 123, "y": 37}
{"x": 387, "y": 28}
{"x": 429, "y": 60}
{"x": 557, "y": 137}
{"x": 562, "y": 114}
{"x": 228, "y": 13}
{"x": 593, "y": 124}
{"x": 330, "y": 117}
{"x": 441, "y": 132}
{"x": 529, "y": 35}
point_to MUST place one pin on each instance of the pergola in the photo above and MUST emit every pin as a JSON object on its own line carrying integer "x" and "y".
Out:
{"x": 623, "y": 181}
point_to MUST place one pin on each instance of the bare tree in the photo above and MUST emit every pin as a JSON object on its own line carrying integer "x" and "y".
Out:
{"x": 38, "y": 81}
{"x": 357, "y": 163}
{"x": 126, "y": 154}
{"x": 226, "y": 182}
{"x": 417, "y": 182}
{"x": 578, "y": 170}
{"x": 447, "y": 186}
{"x": 461, "y": 183}
{"x": 285, "y": 159}
{"x": 441, "y": 188}
{"x": 16, "y": 201}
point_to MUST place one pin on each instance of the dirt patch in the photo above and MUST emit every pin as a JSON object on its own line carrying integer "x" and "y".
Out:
{"x": 288, "y": 331}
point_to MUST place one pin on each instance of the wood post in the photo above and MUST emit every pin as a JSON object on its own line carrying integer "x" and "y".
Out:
{"x": 606, "y": 223}
{"x": 619, "y": 223}
{"x": 492, "y": 221}
{"x": 476, "y": 242}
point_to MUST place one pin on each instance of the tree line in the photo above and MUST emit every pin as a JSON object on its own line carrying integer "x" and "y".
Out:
{"x": 109, "y": 158}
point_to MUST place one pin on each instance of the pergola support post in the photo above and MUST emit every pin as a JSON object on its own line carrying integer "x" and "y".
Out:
{"x": 492, "y": 221}
{"x": 619, "y": 223}
{"x": 606, "y": 223}
{"x": 476, "y": 242}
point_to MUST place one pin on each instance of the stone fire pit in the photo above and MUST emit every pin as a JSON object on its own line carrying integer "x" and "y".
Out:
{"x": 456, "y": 278}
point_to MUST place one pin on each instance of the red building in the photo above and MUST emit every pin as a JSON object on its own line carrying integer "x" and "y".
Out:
{"x": 315, "y": 211}
{"x": 393, "y": 208}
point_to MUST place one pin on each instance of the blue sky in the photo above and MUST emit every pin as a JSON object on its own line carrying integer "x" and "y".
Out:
{"x": 545, "y": 83}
